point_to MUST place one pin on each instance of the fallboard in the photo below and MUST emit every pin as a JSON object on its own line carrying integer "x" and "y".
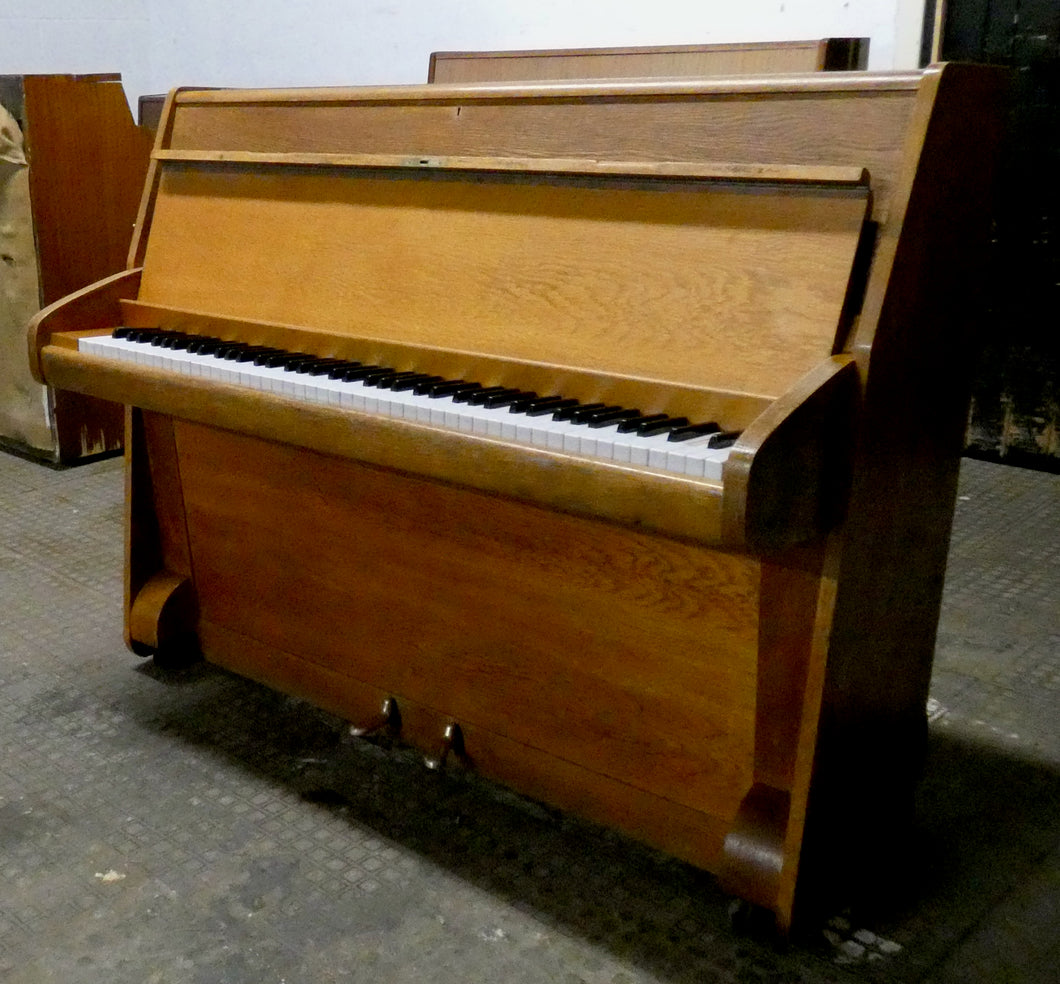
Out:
{"x": 734, "y": 411}
{"x": 725, "y": 279}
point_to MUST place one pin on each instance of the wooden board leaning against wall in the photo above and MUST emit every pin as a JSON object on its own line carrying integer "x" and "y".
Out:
{"x": 72, "y": 166}
{"x": 671, "y": 61}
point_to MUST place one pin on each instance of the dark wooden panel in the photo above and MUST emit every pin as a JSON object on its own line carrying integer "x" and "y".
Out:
{"x": 1015, "y": 415}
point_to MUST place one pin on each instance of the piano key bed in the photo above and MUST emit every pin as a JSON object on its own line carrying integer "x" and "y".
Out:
{"x": 596, "y": 430}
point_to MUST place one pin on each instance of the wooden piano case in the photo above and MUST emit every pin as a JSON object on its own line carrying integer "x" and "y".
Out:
{"x": 699, "y": 663}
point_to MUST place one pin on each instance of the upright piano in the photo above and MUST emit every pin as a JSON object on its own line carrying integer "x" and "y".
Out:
{"x": 599, "y": 437}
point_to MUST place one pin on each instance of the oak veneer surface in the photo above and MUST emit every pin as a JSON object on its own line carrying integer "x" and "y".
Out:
{"x": 757, "y": 58}
{"x": 442, "y": 594}
{"x": 654, "y": 280}
{"x": 690, "y": 834}
{"x": 832, "y": 119}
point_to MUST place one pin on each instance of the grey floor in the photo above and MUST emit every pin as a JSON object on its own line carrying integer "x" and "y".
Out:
{"x": 194, "y": 827}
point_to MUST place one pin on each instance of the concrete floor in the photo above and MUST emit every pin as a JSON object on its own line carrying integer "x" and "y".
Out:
{"x": 194, "y": 827}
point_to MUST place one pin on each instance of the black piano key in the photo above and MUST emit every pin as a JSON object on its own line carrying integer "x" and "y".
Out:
{"x": 342, "y": 367}
{"x": 202, "y": 344}
{"x": 411, "y": 382}
{"x": 394, "y": 376}
{"x": 582, "y": 414}
{"x": 631, "y": 424}
{"x": 532, "y": 399}
{"x": 319, "y": 368}
{"x": 250, "y": 353}
{"x": 424, "y": 386}
{"x": 479, "y": 396}
{"x": 375, "y": 377}
{"x": 142, "y": 334}
{"x": 450, "y": 387}
{"x": 506, "y": 399}
{"x": 158, "y": 336}
{"x": 549, "y": 404}
{"x": 723, "y": 439}
{"x": 173, "y": 340}
{"x": 656, "y": 427}
{"x": 290, "y": 361}
{"x": 310, "y": 365}
{"x": 693, "y": 430}
{"x": 230, "y": 350}
{"x": 267, "y": 352}
{"x": 122, "y": 331}
{"x": 271, "y": 360}
{"x": 568, "y": 412}
{"x": 359, "y": 372}
{"x": 607, "y": 418}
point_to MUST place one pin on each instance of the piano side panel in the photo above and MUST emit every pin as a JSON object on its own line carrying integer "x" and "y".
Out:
{"x": 738, "y": 289}
{"x": 917, "y": 332}
{"x": 628, "y": 655}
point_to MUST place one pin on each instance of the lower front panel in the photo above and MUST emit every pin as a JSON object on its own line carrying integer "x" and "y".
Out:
{"x": 605, "y": 670}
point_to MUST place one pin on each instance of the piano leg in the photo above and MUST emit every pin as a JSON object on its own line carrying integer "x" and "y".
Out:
{"x": 160, "y": 604}
{"x": 762, "y": 849}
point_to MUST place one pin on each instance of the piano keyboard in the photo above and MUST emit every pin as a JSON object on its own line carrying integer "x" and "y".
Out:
{"x": 611, "y": 433}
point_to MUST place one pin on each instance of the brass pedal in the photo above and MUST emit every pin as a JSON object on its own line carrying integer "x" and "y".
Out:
{"x": 452, "y": 744}
{"x": 389, "y": 718}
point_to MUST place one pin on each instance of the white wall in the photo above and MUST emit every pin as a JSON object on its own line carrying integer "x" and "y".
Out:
{"x": 157, "y": 44}
{"x": 80, "y": 36}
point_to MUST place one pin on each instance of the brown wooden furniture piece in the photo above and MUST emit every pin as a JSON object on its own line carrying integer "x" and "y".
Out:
{"x": 675, "y": 61}
{"x": 72, "y": 166}
{"x": 728, "y": 668}
{"x": 149, "y": 111}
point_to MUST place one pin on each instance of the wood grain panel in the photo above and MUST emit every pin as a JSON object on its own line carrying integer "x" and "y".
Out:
{"x": 86, "y": 167}
{"x": 88, "y": 163}
{"x": 809, "y": 120}
{"x": 695, "y": 61}
{"x": 631, "y": 655}
{"x": 693, "y": 835}
{"x": 654, "y": 278}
